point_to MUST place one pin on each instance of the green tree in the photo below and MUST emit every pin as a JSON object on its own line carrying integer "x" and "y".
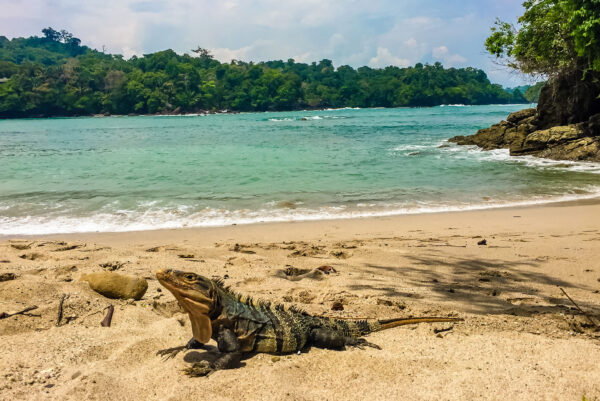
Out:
{"x": 532, "y": 94}
{"x": 559, "y": 39}
{"x": 553, "y": 36}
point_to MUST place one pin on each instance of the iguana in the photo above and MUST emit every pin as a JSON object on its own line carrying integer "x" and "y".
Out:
{"x": 241, "y": 325}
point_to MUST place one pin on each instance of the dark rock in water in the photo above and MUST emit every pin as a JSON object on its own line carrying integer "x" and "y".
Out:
{"x": 565, "y": 125}
{"x": 518, "y": 116}
{"x": 520, "y": 134}
{"x": 287, "y": 204}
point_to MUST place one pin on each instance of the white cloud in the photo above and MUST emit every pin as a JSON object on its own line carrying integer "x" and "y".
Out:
{"x": 303, "y": 58}
{"x": 225, "y": 55}
{"x": 412, "y": 42}
{"x": 442, "y": 53}
{"x": 384, "y": 58}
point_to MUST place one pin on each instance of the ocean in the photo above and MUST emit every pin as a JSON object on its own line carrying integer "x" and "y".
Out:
{"x": 64, "y": 175}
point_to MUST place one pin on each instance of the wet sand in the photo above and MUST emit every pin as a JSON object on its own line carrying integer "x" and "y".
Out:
{"x": 521, "y": 338}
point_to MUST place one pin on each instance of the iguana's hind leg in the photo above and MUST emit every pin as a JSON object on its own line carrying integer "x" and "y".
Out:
{"x": 230, "y": 356}
{"x": 324, "y": 338}
{"x": 360, "y": 343}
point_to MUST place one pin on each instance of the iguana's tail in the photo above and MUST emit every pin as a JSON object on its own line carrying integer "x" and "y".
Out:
{"x": 359, "y": 328}
{"x": 390, "y": 323}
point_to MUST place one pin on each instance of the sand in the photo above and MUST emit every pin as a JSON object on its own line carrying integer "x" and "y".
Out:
{"x": 522, "y": 339}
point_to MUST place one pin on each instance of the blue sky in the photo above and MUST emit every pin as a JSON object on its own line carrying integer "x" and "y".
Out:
{"x": 367, "y": 32}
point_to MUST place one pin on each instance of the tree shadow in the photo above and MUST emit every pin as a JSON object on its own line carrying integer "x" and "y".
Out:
{"x": 479, "y": 285}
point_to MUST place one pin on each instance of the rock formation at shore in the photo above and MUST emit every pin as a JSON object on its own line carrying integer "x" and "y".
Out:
{"x": 564, "y": 126}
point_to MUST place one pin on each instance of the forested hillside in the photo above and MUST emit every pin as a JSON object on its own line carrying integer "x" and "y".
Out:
{"x": 54, "y": 75}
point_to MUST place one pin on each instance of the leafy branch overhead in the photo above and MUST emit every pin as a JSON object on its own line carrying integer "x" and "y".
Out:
{"x": 552, "y": 36}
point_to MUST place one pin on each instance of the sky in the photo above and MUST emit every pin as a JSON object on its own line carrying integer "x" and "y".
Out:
{"x": 376, "y": 33}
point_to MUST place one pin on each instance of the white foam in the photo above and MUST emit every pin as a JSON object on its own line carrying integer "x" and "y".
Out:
{"x": 306, "y": 118}
{"x": 127, "y": 220}
{"x": 403, "y": 148}
{"x": 503, "y": 155}
{"x": 176, "y": 115}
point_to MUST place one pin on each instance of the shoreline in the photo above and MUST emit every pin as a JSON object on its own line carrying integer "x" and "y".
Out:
{"x": 257, "y": 227}
{"x": 204, "y": 113}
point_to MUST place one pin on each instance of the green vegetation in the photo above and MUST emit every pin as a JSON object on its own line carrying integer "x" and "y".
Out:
{"x": 532, "y": 94}
{"x": 554, "y": 36}
{"x": 521, "y": 89}
{"x": 55, "y": 75}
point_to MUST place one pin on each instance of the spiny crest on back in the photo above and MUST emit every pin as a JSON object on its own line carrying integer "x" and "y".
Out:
{"x": 294, "y": 309}
{"x": 256, "y": 303}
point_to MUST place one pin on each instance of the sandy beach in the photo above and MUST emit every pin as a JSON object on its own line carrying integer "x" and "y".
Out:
{"x": 521, "y": 339}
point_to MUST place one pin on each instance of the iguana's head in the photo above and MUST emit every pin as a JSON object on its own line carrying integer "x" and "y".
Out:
{"x": 197, "y": 295}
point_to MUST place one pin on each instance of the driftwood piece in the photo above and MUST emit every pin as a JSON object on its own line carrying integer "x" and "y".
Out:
{"x": 4, "y": 315}
{"x": 580, "y": 310}
{"x": 60, "y": 309}
{"x": 108, "y": 318}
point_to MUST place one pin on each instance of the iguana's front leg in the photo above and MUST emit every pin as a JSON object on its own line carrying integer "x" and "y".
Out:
{"x": 324, "y": 338}
{"x": 229, "y": 347}
{"x": 172, "y": 352}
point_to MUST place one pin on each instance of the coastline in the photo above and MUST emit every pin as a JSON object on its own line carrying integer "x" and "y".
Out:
{"x": 521, "y": 338}
{"x": 202, "y": 113}
{"x": 350, "y": 215}
{"x": 304, "y": 225}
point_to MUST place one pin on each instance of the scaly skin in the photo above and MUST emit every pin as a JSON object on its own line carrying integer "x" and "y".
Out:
{"x": 240, "y": 325}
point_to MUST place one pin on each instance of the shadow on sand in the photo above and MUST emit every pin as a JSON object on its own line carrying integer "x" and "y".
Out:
{"x": 482, "y": 286}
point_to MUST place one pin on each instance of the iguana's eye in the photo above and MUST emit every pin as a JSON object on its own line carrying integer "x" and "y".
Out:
{"x": 189, "y": 277}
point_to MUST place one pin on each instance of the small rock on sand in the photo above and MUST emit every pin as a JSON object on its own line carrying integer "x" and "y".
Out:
{"x": 337, "y": 305}
{"x": 7, "y": 276}
{"x": 116, "y": 286}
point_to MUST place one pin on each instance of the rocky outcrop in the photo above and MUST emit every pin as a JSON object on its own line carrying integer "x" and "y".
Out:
{"x": 565, "y": 125}
{"x": 568, "y": 98}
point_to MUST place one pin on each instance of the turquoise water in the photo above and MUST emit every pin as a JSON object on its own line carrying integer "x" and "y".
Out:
{"x": 133, "y": 173}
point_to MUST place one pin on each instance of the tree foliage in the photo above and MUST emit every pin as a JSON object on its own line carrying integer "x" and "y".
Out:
{"x": 552, "y": 36}
{"x": 532, "y": 94}
{"x": 54, "y": 76}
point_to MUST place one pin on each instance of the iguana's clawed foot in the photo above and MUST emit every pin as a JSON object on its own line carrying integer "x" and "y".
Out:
{"x": 361, "y": 343}
{"x": 170, "y": 353}
{"x": 199, "y": 369}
